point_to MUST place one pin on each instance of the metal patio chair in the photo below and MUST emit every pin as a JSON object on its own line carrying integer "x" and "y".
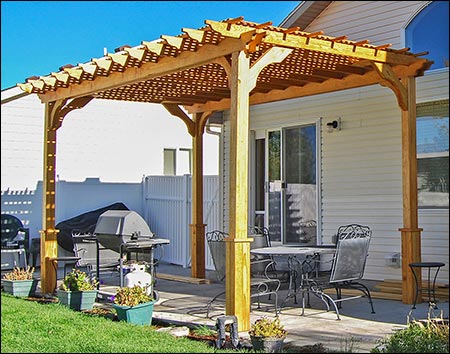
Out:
{"x": 261, "y": 283}
{"x": 15, "y": 238}
{"x": 264, "y": 264}
{"x": 347, "y": 269}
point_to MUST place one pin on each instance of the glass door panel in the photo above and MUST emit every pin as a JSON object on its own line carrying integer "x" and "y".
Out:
{"x": 274, "y": 185}
{"x": 300, "y": 189}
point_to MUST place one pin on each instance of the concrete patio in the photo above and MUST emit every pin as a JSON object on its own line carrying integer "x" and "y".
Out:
{"x": 184, "y": 302}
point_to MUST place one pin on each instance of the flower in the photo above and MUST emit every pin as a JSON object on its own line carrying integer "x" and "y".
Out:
{"x": 132, "y": 296}
{"x": 264, "y": 327}
{"x": 20, "y": 274}
{"x": 78, "y": 280}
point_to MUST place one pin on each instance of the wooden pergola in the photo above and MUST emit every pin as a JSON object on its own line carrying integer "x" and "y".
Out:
{"x": 230, "y": 65}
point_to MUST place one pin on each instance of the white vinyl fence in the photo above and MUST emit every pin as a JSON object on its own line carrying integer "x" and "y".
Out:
{"x": 163, "y": 201}
{"x": 167, "y": 210}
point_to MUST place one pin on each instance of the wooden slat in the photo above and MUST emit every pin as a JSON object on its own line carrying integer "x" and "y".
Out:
{"x": 380, "y": 295}
{"x": 395, "y": 287}
{"x": 198, "y": 35}
{"x": 183, "y": 279}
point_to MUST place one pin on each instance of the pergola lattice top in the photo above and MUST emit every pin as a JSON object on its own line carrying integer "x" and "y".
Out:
{"x": 185, "y": 69}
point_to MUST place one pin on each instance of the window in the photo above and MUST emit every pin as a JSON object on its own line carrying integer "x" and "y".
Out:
{"x": 184, "y": 163}
{"x": 170, "y": 160}
{"x": 428, "y": 32}
{"x": 432, "y": 154}
{"x": 177, "y": 163}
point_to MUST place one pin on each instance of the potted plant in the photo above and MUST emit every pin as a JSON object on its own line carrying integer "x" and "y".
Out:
{"x": 267, "y": 335}
{"x": 134, "y": 305}
{"x": 78, "y": 291}
{"x": 20, "y": 282}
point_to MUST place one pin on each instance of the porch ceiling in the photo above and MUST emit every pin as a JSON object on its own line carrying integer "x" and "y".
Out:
{"x": 192, "y": 69}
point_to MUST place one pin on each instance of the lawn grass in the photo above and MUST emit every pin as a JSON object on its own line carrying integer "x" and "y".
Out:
{"x": 33, "y": 327}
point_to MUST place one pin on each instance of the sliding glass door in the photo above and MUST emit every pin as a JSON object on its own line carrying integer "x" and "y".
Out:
{"x": 292, "y": 188}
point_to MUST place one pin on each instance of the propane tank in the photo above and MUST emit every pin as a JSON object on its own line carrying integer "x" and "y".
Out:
{"x": 138, "y": 276}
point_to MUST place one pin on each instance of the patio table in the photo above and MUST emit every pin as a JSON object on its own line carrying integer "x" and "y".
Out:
{"x": 307, "y": 263}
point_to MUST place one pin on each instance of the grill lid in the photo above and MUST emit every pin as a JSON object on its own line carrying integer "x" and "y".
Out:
{"x": 115, "y": 227}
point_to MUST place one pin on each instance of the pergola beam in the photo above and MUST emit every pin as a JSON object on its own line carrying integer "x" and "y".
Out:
{"x": 310, "y": 89}
{"x": 167, "y": 65}
{"x": 322, "y": 44}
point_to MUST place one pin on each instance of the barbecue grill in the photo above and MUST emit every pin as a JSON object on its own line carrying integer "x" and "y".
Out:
{"x": 126, "y": 232}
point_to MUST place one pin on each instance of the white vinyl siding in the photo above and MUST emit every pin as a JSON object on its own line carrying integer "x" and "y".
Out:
{"x": 378, "y": 21}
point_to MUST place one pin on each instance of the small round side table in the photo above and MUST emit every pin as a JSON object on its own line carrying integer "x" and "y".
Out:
{"x": 429, "y": 266}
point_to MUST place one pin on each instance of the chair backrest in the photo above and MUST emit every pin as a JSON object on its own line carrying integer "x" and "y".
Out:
{"x": 216, "y": 244}
{"x": 260, "y": 236}
{"x": 10, "y": 228}
{"x": 351, "y": 253}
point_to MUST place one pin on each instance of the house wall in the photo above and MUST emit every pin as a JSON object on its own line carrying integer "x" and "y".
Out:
{"x": 378, "y": 21}
{"x": 361, "y": 166}
{"x": 383, "y": 22}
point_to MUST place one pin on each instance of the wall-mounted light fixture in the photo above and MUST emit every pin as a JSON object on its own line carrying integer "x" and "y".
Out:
{"x": 334, "y": 125}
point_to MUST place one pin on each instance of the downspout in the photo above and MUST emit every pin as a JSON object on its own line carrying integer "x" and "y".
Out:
{"x": 219, "y": 134}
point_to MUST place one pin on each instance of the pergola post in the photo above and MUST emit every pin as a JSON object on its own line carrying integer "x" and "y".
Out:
{"x": 54, "y": 116}
{"x": 198, "y": 227}
{"x": 242, "y": 81}
{"x": 410, "y": 232}
{"x": 405, "y": 92}
{"x": 196, "y": 127}
{"x": 49, "y": 244}
{"x": 237, "y": 284}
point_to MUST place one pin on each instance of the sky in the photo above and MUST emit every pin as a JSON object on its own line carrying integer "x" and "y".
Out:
{"x": 38, "y": 37}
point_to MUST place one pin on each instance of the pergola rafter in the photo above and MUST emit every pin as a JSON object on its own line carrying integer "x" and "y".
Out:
{"x": 230, "y": 65}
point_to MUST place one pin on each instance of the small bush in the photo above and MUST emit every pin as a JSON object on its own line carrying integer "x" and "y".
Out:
{"x": 132, "y": 296}
{"x": 265, "y": 327}
{"x": 429, "y": 336}
{"x": 78, "y": 280}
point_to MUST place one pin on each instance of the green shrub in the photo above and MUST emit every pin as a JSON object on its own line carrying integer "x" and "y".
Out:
{"x": 78, "y": 280}
{"x": 430, "y": 336}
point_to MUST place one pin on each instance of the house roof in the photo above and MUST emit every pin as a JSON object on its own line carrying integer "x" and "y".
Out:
{"x": 192, "y": 69}
{"x": 304, "y": 13}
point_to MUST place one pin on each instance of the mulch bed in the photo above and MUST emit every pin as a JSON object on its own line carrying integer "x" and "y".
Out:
{"x": 43, "y": 300}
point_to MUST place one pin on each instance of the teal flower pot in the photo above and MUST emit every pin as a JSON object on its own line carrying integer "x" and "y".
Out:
{"x": 22, "y": 288}
{"x": 140, "y": 314}
{"x": 77, "y": 300}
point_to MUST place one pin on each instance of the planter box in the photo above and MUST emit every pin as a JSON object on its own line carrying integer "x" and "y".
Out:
{"x": 23, "y": 288}
{"x": 140, "y": 314}
{"x": 77, "y": 300}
